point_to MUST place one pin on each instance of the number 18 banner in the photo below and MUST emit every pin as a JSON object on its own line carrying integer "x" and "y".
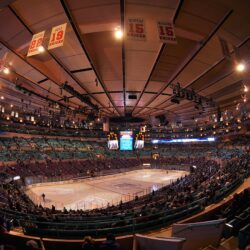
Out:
{"x": 57, "y": 36}
{"x": 166, "y": 32}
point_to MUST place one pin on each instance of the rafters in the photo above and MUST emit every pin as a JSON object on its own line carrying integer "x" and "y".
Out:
{"x": 54, "y": 57}
{"x": 79, "y": 37}
{"x": 196, "y": 51}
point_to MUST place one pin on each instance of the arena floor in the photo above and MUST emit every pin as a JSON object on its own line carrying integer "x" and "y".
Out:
{"x": 98, "y": 192}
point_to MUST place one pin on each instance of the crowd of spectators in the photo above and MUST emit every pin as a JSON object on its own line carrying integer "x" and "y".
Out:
{"x": 205, "y": 181}
{"x": 42, "y": 148}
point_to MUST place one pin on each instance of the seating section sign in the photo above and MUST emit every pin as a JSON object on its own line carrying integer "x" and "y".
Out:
{"x": 166, "y": 32}
{"x": 57, "y": 36}
{"x": 35, "y": 43}
{"x": 136, "y": 29}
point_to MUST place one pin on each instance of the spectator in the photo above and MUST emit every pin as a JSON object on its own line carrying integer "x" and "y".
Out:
{"x": 33, "y": 245}
{"x": 110, "y": 243}
{"x": 88, "y": 243}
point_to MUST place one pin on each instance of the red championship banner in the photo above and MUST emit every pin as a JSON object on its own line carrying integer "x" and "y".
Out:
{"x": 136, "y": 29}
{"x": 166, "y": 32}
{"x": 35, "y": 43}
{"x": 57, "y": 36}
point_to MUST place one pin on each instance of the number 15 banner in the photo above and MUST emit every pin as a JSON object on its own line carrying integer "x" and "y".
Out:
{"x": 166, "y": 32}
{"x": 136, "y": 29}
{"x": 57, "y": 36}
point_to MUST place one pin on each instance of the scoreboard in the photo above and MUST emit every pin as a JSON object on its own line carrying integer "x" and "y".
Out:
{"x": 139, "y": 141}
{"x": 126, "y": 140}
{"x": 113, "y": 141}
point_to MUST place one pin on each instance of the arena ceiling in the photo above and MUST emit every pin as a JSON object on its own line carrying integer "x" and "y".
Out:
{"x": 107, "y": 70}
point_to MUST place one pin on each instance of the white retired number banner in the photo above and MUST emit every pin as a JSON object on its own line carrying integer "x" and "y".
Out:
{"x": 35, "y": 43}
{"x": 136, "y": 29}
{"x": 57, "y": 36}
{"x": 166, "y": 32}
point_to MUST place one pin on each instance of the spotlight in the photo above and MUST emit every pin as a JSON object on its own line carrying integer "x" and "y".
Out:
{"x": 2, "y": 97}
{"x": 16, "y": 178}
{"x": 41, "y": 49}
{"x": 118, "y": 33}
{"x": 240, "y": 67}
{"x": 245, "y": 88}
{"x": 175, "y": 100}
{"x": 6, "y": 71}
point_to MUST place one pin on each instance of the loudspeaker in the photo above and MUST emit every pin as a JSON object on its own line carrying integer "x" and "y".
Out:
{"x": 132, "y": 96}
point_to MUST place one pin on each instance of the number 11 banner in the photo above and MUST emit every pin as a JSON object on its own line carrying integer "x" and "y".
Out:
{"x": 166, "y": 32}
{"x": 57, "y": 36}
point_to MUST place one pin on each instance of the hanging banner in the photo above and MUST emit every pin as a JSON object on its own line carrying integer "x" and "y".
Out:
{"x": 166, "y": 32}
{"x": 106, "y": 124}
{"x": 225, "y": 48}
{"x": 136, "y": 29}
{"x": 35, "y": 43}
{"x": 57, "y": 36}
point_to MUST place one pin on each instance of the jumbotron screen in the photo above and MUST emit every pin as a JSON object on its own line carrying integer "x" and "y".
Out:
{"x": 139, "y": 141}
{"x": 113, "y": 141}
{"x": 126, "y": 140}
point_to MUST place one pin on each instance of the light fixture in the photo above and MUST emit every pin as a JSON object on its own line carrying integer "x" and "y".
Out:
{"x": 245, "y": 88}
{"x": 11, "y": 105}
{"x": 2, "y": 97}
{"x": 41, "y": 49}
{"x": 240, "y": 67}
{"x": 6, "y": 70}
{"x": 118, "y": 33}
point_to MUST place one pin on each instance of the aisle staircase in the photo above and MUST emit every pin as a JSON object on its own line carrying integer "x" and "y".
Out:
{"x": 227, "y": 244}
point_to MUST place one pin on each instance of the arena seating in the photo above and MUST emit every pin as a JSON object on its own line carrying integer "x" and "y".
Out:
{"x": 51, "y": 159}
{"x": 142, "y": 242}
{"x": 200, "y": 234}
{"x": 207, "y": 184}
{"x": 28, "y": 149}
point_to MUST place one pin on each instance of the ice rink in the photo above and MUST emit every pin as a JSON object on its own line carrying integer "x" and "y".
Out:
{"x": 98, "y": 192}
